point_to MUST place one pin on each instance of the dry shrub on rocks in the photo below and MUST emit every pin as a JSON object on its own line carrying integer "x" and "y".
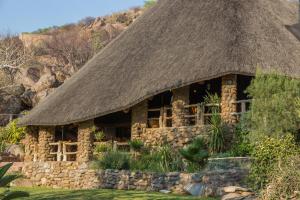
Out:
{"x": 284, "y": 182}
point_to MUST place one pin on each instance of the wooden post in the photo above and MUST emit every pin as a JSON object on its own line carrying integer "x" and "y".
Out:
{"x": 164, "y": 117}
{"x": 65, "y": 156}
{"x": 59, "y": 154}
{"x": 199, "y": 115}
{"x": 115, "y": 145}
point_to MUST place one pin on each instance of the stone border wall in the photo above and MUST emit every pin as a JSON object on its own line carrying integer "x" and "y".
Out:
{"x": 75, "y": 175}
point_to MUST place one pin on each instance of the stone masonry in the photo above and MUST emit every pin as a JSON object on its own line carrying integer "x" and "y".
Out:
{"x": 176, "y": 137}
{"x": 228, "y": 97}
{"x": 139, "y": 119}
{"x": 31, "y": 144}
{"x": 76, "y": 175}
{"x": 180, "y": 99}
{"x": 85, "y": 141}
{"x": 46, "y": 136}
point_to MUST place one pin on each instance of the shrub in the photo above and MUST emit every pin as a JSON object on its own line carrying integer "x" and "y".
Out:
{"x": 136, "y": 145}
{"x": 274, "y": 107}
{"x": 266, "y": 155}
{"x": 196, "y": 153}
{"x": 165, "y": 159}
{"x": 99, "y": 135}
{"x": 149, "y": 3}
{"x": 113, "y": 160}
{"x": 101, "y": 148}
{"x": 284, "y": 180}
{"x": 242, "y": 145}
{"x": 12, "y": 134}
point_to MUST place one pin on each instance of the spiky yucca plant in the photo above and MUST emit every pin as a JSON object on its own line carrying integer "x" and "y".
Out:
{"x": 5, "y": 180}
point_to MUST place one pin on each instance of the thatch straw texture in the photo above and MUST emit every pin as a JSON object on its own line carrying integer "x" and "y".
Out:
{"x": 175, "y": 43}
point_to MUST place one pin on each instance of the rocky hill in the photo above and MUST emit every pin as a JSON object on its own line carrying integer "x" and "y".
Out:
{"x": 55, "y": 54}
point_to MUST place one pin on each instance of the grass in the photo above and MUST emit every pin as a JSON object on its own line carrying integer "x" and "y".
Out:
{"x": 100, "y": 194}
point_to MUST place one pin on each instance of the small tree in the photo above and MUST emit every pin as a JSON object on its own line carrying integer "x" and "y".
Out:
{"x": 273, "y": 110}
{"x": 13, "y": 55}
{"x": 70, "y": 48}
{"x": 5, "y": 181}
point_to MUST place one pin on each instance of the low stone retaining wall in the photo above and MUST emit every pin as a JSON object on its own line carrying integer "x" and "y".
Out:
{"x": 74, "y": 175}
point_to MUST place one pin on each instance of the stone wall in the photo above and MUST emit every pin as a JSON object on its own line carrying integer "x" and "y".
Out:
{"x": 229, "y": 95}
{"x": 139, "y": 119}
{"x": 180, "y": 99}
{"x": 85, "y": 141}
{"x": 31, "y": 144}
{"x": 75, "y": 175}
{"x": 177, "y": 137}
{"x": 46, "y": 136}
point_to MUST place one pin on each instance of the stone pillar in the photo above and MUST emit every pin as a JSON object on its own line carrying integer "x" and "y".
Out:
{"x": 181, "y": 98}
{"x": 85, "y": 141}
{"x": 31, "y": 144}
{"x": 228, "y": 96}
{"x": 139, "y": 119}
{"x": 46, "y": 136}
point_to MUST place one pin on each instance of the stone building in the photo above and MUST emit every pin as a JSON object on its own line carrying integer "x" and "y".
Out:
{"x": 150, "y": 83}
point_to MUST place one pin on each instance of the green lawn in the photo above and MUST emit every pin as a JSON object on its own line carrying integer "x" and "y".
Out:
{"x": 52, "y": 194}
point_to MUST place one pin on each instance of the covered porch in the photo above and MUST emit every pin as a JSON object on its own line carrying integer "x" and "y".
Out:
{"x": 174, "y": 117}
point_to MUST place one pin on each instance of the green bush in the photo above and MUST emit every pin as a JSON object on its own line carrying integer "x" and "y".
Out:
{"x": 113, "y": 160}
{"x": 12, "y": 134}
{"x": 136, "y": 145}
{"x": 149, "y": 3}
{"x": 284, "y": 181}
{"x": 164, "y": 159}
{"x": 274, "y": 105}
{"x": 196, "y": 153}
{"x": 99, "y": 135}
{"x": 242, "y": 145}
{"x": 101, "y": 148}
{"x": 267, "y": 153}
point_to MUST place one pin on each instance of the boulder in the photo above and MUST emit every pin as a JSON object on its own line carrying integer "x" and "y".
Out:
{"x": 10, "y": 102}
{"x": 231, "y": 189}
{"x": 194, "y": 189}
{"x": 15, "y": 150}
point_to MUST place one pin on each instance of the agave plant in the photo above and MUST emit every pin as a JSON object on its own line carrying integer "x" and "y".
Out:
{"x": 5, "y": 180}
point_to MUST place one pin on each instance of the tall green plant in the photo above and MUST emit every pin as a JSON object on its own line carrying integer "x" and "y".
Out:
{"x": 4, "y": 182}
{"x": 217, "y": 129}
{"x": 273, "y": 109}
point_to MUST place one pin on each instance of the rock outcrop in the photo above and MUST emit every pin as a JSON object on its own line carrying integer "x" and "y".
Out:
{"x": 43, "y": 74}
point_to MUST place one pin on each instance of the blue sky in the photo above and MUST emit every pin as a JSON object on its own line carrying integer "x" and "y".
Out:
{"x": 19, "y": 16}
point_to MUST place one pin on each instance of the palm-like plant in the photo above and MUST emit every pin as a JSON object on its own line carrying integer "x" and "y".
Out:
{"x": 195, "y": 152}
{"x": 4, "y": 183}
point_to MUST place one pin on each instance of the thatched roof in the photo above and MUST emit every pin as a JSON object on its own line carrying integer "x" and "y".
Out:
{"x": 175, "y": 43}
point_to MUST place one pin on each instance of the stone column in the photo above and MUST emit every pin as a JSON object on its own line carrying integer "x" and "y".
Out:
{"x": 139, "y": 119}
{"x": 181, "y": 98}
{"x": 46, "y": 136}
{"x": 228, "y": 96}
{"x": 31, "y": 144}
{"x": 85, "y": 141}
